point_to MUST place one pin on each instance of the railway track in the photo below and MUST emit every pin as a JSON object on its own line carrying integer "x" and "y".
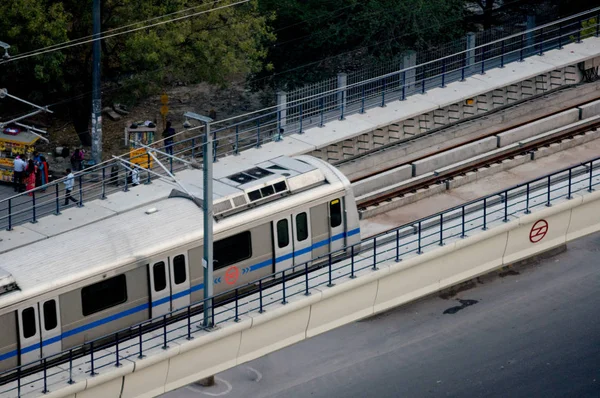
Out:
{"x": 444, "y": 174}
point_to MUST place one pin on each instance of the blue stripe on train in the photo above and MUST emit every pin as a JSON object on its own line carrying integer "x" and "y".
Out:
{"x": 155, "y": 303}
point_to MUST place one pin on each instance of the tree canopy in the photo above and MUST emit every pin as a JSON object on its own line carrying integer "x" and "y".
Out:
{"x": 211, "y": 47}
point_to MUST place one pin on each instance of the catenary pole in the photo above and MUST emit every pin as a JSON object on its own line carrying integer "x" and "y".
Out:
{"x": 96, "y": 92}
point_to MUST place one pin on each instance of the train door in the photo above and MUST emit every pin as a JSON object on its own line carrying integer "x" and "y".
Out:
{"x": 302, "y": 237}
{"x": 169, "y": 284}
{"x": 39, "y": 330}
{"x": 336, "y": 225}
{"x": 284, "y": 247}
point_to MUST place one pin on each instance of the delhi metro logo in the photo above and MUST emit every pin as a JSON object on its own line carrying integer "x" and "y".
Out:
{"x": 538, "y": 231}
{"x": 231, "y": 276}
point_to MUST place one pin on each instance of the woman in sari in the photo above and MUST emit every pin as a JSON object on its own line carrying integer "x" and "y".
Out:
{"x": 31, "y": 173}
{"x": 44, "y": 171}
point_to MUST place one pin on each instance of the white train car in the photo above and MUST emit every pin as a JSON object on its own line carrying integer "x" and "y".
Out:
{"x": 74, "y": 287}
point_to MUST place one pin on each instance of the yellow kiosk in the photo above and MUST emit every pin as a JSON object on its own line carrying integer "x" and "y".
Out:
{"x": 21, "y": 143}
{"x": 137, "y": 134}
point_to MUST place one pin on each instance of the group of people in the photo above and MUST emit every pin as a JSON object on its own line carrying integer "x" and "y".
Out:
{"x": 31, "y": 173}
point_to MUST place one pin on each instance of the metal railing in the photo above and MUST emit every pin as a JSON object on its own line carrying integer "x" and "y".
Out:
{"x": 315, "y": 110}
{"x": 278, "y": 288}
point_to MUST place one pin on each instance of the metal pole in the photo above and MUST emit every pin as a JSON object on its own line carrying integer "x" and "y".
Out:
{"x": 208, "y": 223}
{"x": 96, "y": 93}
{"x": 548, "y": 204}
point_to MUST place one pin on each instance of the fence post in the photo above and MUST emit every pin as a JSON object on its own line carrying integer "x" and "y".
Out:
{"x": 165, "y": 346}
{"x": 383, "y": 93}
{"x": 398, "y": 246}
{"x": 444, "y": 73}
{"x": 409, "y": 61}
{"x": 46, "y": 391}
{"x": 342, "y": 83}
{"x": 503, "y": 44}
{"x": 469, "y": 60}
{"x": 34, "y": 221}
{"x": 118, "y": 362}
{"x": 483, "y": 60}
{"x": 579, "y": 27}
{"x": 352, "y": 276}
{"x": 521, "y": 50}
{"x": 484, "y": 214}
{"x": 403, "y": 98}
{"x": 307, "y": 293}
{"x": 141, "y": 354}
{"x": 281, "y": 110}
{"x": 284, "y": 301}
{"x": 260, "y": 296}
{"x": 103, "y": 195}
{"x": 322, "y": 109}
{"x": 92, "y": 373}
{"x": 9, "y": 228}
{"x": 570, "y": 174}
{"x": 530, "y": 34}
{"x": 419, "y": 238}
{"x": 560, "y": 36}
{"x": 505, "y": 206}
{"x": 330, "y": 284}
{"x": 362, "y": 100}
{"x": 423, "y": 82}
{"x": 442, "y": 229}
{"x": 126, "y": 187}
{"x": 215, "y": 145}
{"x": 374, "y": 254}
{"x": 590, "y": 189}
{"x": 541, "y": 42}
{"x": 80, "y": 204}
{"x": 71, "y": 381}
{"x": 463, "y": 234}
{"x": 527, "y": 201}
{"x": 236, "y": 149}
{"x": 548, "y": 204}
{"x": 258, "y": 132}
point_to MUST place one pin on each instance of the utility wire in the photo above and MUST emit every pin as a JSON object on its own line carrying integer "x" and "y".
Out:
{"x": 62, "y": 47}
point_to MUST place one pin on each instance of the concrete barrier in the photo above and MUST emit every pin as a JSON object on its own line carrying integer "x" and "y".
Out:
{"x": 590, "y": 110}
{"x": 393, "y": 284}
{"x": 453, "y": 156}
{"x": 538, "y": 127}
{"x": 382, "y": 180}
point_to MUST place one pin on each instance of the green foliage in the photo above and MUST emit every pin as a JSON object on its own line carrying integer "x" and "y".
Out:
{"x": 210, "y": 47}
{"x": 317, "y": 31}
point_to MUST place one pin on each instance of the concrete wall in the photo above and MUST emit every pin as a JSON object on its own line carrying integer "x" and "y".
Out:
{"x": 540, "y": 126}
{"x": 455, "y": 155}
{"x": 590, "y": 110}
{"x": 328, "y": 307}
{"x": 423, "y": 144}
{"x": 424, "y": 123}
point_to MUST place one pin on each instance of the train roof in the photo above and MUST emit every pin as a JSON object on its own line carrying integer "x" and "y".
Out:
{"x": 136, "y": 234}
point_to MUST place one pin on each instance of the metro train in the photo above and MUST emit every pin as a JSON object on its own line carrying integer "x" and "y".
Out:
{"x": 60, "y": 292}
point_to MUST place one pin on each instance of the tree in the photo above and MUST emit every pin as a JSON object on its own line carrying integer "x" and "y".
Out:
{"x": 314, "y": 31}
{"x": 211, "y": 47}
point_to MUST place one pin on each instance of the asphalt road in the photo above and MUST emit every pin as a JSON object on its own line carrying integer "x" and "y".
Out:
{"x": 533, "y": 332}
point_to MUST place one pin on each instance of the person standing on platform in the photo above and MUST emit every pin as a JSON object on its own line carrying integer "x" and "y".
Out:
{"x": 69, "y": 181}
{"x": 43, "y": 172}
{"x": 36, "y": 157}
{"x": 18, "y": 170}
{"x": 168, "y": 136}
{"x": 77, "y": 160}
{"x": 31, "y": 173}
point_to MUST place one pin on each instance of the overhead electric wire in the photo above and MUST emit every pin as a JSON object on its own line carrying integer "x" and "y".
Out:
{"x": 62, "y": 47}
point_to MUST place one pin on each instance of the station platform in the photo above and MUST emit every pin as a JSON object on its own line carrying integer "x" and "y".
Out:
{"x": 309, "y": 141}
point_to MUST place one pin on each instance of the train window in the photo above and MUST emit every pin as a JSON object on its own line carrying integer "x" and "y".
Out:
{"x": 283, "y": 236}
{"x": 179, "y": 269}
{"x": 301, "y": 226}
{"x": 103, "y": 295}
{"x": 335, "y": 212}
{"x": 50, "y": 318}
{"x": 254, "y": 195}
{"x": 29, "y": 321}
{"x": 267, "y": 191}
{"x": 232, "y": 250}
{"x": 160, "y": 276}
{"x": 280, "y": 186}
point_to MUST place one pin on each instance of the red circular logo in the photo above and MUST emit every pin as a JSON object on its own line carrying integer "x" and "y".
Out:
{"x": 538, "y": 231}
{"x": 231, "y": 276}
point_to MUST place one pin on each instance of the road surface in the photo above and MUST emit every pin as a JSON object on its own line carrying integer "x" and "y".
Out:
{"x": 532, "y": 332}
